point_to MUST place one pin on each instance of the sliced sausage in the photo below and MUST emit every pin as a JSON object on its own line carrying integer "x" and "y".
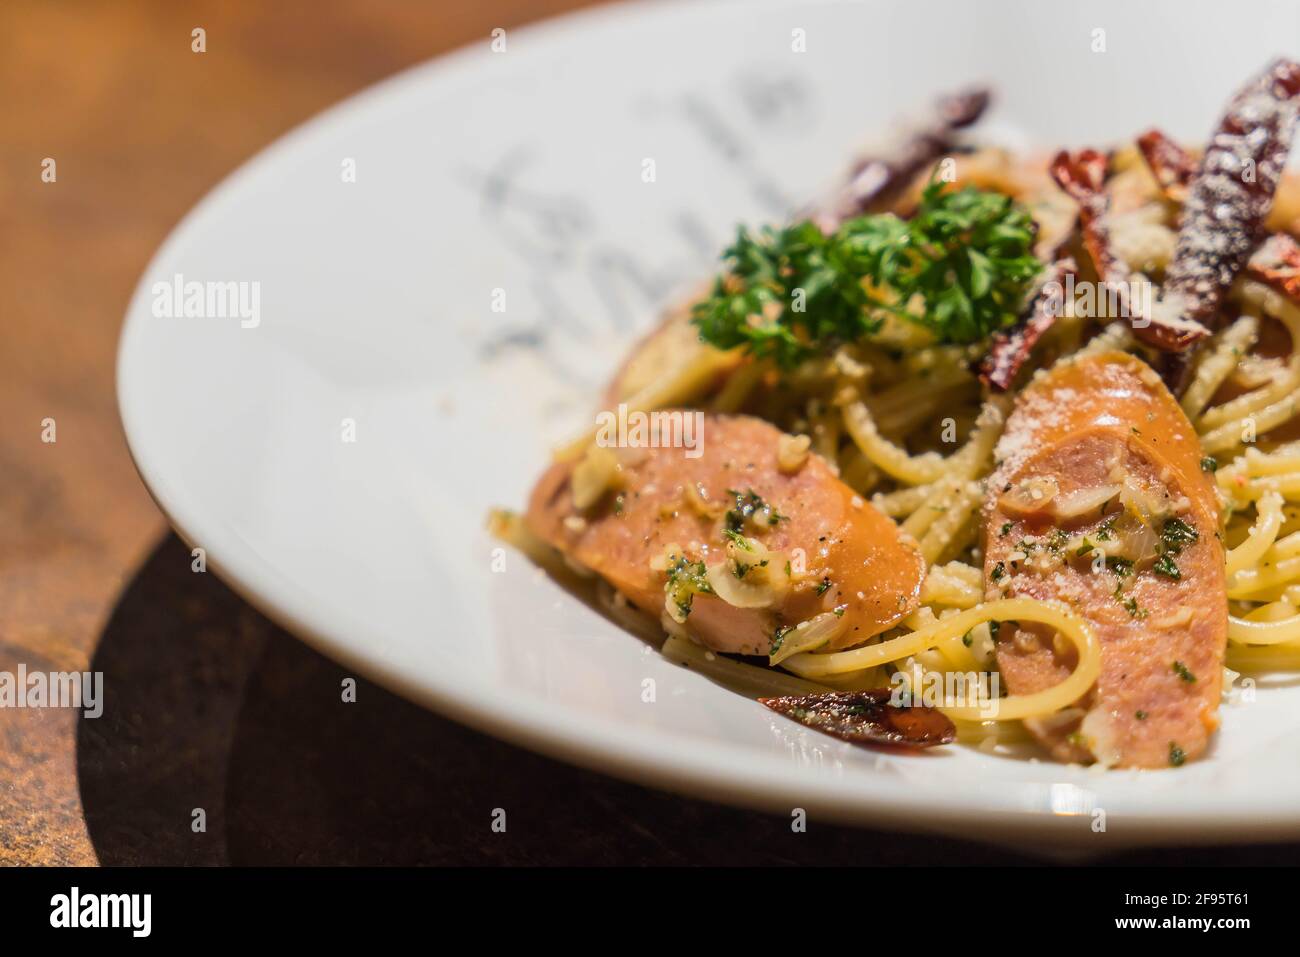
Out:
{"x": 845, "y": 556}
{"x": 1099, "y": 500}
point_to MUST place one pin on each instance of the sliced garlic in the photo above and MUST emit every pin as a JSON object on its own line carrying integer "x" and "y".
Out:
{"x": 1083, "y": 501}
{"x": 1029, "y": 496}
{"x": 596, "y": 474}
{"x": 752, "y": 576}
{"x": 809, "y": 635}
{"x": 792, "y": 452}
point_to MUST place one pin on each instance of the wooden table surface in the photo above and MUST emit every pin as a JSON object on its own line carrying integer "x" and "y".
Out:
{"x": 207, "y": 704}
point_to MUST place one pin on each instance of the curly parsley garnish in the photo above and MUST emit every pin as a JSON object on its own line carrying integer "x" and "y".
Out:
{"x": 960, "y": 267}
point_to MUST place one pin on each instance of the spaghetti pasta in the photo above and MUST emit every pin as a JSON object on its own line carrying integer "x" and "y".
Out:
{"x": 889, "y": 458}
{"x": 1262, "y": 536}
{"x": 1218, "y": 364}
{"x": 1015, "y": 707}
{"x": 901, "y": 418}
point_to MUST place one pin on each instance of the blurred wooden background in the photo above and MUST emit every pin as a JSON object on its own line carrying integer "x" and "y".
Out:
{"x": 208, "y": 704}
{"x": 140, "y": 128}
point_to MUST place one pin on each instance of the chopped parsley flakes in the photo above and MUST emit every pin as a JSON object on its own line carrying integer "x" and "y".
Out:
{"x": 737, "y": 539}
{"x": 1133, "y": 608}
{"x": 778, "y": 638}
{"x": 686, "y": 579}
{"x": 1174, "y": 535}
{"x": 749, "y": 506}
{"x": 1165, "y": 566}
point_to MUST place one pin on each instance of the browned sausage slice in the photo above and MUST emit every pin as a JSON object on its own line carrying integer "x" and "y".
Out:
{"x": 845, "y": 557}
{"x": 1099, "y": 500}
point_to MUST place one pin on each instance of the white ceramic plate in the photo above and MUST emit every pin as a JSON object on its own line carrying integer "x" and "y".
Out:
{"x": 522, "y": 171}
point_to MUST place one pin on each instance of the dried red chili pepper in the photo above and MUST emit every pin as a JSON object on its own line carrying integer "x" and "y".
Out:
{"x": 1083, "y": 178}
{"x": 1277, "y": 263}
{"x": 875, "y": 180}
{"x": 1230, "y": 196}
{"x": 1171, "y": 165}
{"x": 867, "y": 717}
{"x": 1011, "y": 348}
